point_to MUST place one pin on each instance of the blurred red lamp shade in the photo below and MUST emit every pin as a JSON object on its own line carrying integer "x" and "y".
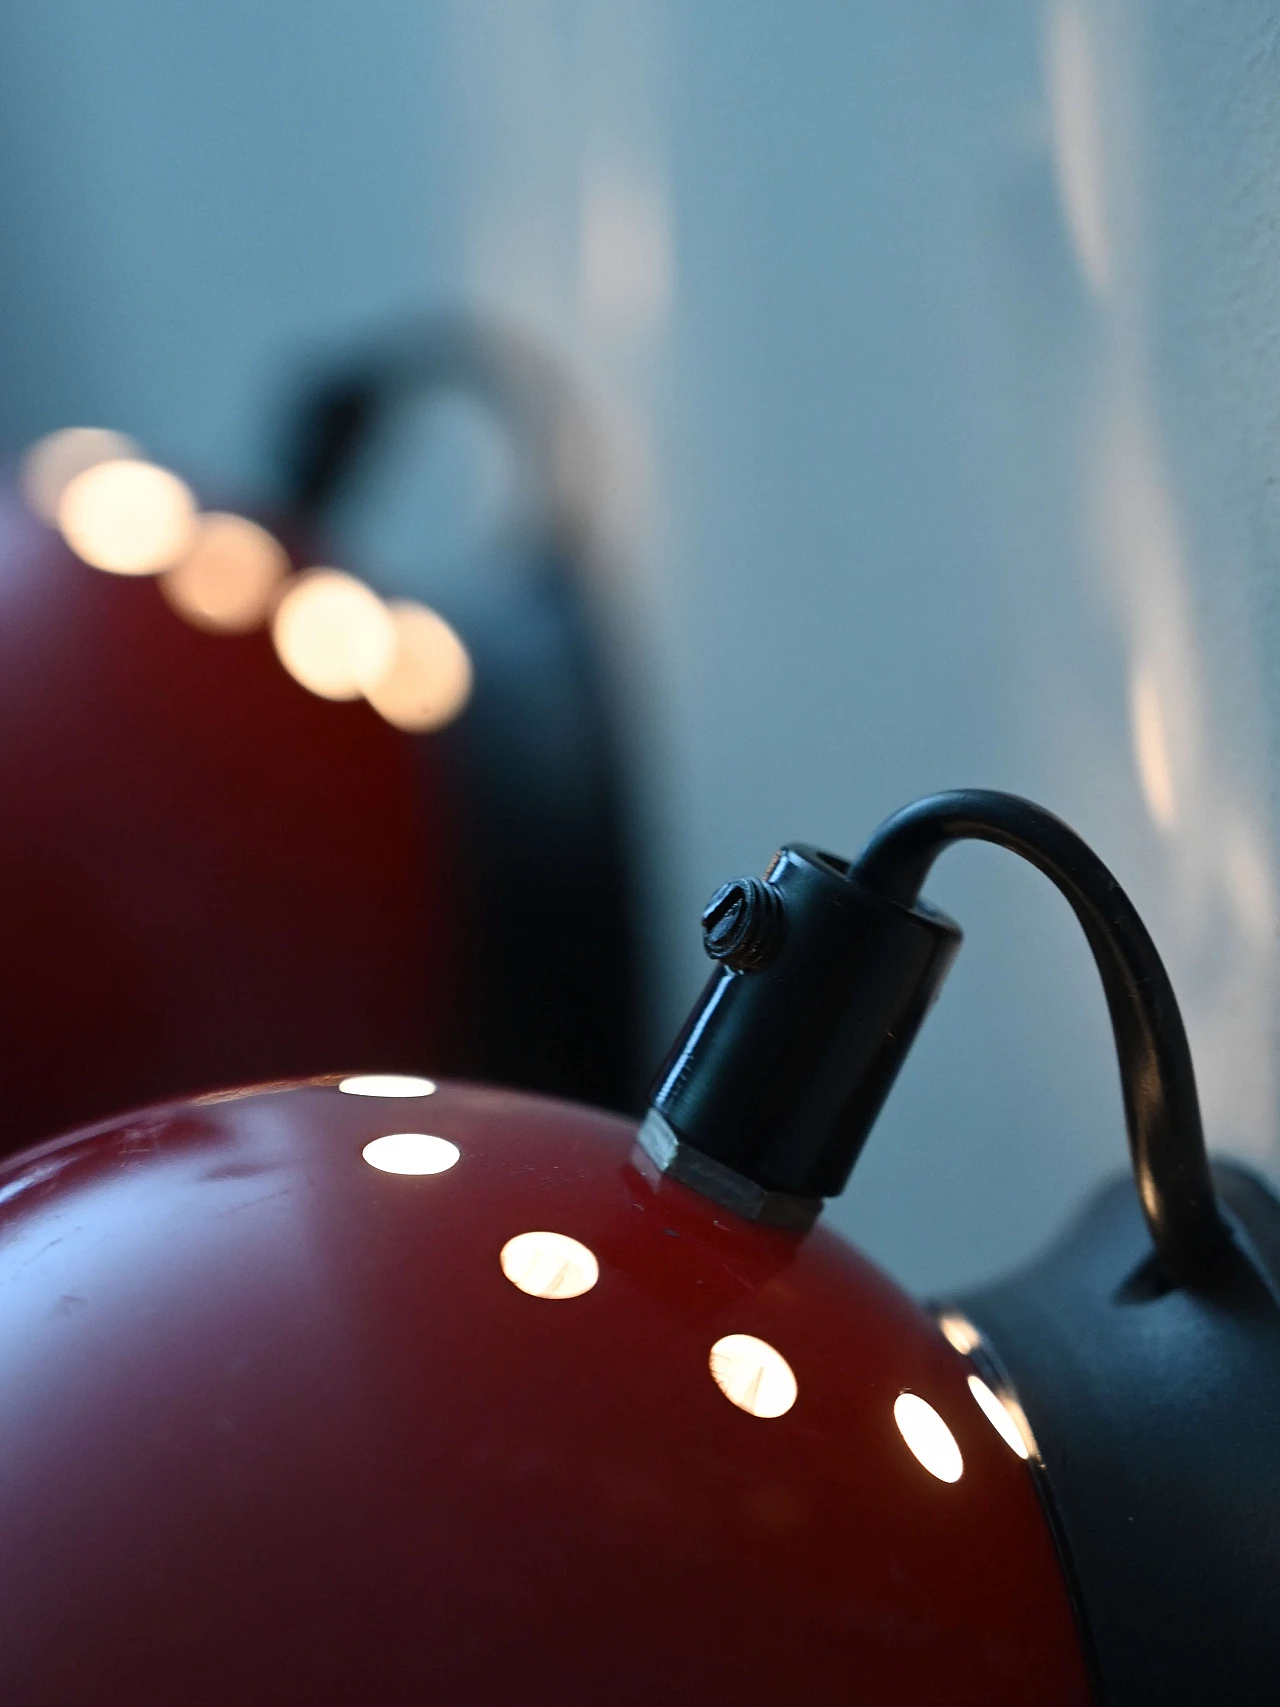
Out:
{"x": 285, "y": 1427}
{"x": 210, "y": 876}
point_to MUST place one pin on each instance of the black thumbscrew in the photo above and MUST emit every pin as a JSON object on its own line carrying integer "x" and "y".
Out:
{"x": 744, "y": 924}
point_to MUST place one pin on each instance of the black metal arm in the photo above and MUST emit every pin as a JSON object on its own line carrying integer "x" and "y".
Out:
{"x": 826, "y": 973}
{"x": 1162, "y": 1109}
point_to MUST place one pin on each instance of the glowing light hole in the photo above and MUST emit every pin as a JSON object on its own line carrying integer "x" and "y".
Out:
{"x": 549, "y": 1265}
{"x": 753, "y": 1376}
{"x": 959, "y": 1332}
{"x": 1000, "y": 1414}
{"x": 386, "y": 1085}
{"x": 411, "y": 1153}
{"x": 928, "y": 1437}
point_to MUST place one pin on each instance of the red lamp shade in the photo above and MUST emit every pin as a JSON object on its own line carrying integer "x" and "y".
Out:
{"x": 280, "y": 1427}
{"x": 209, "y": 875}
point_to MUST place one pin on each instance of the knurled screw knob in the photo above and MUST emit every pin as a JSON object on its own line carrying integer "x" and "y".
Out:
{"x": 744, "y": 924}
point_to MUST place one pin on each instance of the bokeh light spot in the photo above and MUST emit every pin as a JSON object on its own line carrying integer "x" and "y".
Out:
{"x": 1000, "y": 1413}
{"x": 959, "y": 1332}
{"x": 228, "y": 580}
{"x": 333, "y": 634}
{"x": 53, "y": 462}
{"x": 128, "y": 517}
{"x": 429, "y": 681}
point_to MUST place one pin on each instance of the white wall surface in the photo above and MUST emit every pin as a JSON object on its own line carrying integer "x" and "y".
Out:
{"x": 936, "y": 352}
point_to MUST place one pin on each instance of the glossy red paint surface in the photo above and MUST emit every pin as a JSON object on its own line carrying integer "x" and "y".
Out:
{"x": 208, "y": 875}
{"x": 277, "y": 1430}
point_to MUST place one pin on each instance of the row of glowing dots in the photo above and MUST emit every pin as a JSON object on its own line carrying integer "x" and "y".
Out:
{"x": 750, "y": 1372}
{"x": 333, "y": 634}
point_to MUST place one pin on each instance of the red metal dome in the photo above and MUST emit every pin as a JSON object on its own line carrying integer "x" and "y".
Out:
{"x": 278, "y": 1428}
{"x": 209, "y": 874}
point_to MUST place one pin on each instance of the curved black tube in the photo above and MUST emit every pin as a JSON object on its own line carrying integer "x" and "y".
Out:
{"x": 1162, "y": 1110}
{"x": 339, "y": 425}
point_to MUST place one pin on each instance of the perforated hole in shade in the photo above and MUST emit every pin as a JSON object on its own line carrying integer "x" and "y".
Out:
{"x": 929, "y": 1439}
{"x": 1004, "y": 1415}
{"x": 549, "y": 1265}
{"x": 753, "y": 1376}
{"x": 386, "y": 1085}
{"x": 411, "y": 1153}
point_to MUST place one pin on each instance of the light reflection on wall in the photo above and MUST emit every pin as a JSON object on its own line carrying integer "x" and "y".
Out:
{"x": 1215, "y": 920}
{"x": 1074, "y": 105}
{"x": 625, "y": 251}
{"x": 1151, "y": 747}
{"x": 1214, "y": 906}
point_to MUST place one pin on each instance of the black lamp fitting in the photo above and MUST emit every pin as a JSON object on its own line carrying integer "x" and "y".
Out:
{"x": 826, "y": 972}
{"x": 781, "y": 1068}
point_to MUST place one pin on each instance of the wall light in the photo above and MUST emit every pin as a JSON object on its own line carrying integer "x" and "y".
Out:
{"x": 347, "y": 1347}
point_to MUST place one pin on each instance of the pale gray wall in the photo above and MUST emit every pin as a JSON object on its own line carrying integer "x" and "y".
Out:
{"x": 936, "y": 359}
